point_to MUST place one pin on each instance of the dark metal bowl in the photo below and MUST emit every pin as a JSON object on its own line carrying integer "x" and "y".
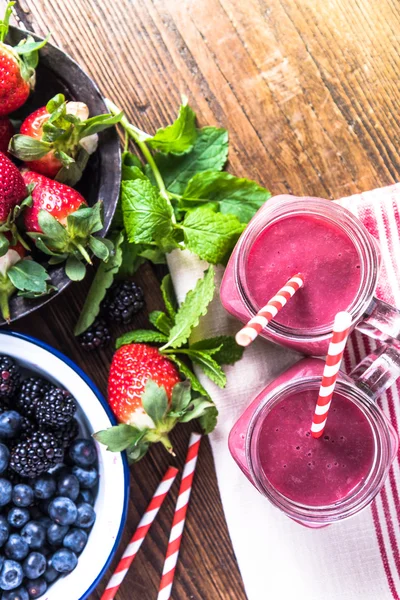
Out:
{"x": 58, "y": 73}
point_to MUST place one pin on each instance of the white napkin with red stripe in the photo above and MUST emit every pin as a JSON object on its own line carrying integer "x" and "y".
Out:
{"x": 279, "y": 559}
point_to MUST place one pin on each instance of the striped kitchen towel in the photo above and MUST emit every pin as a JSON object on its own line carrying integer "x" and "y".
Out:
{"x": 279, "y": 559}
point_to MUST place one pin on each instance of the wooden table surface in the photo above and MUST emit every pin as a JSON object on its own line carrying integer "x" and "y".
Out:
{"x": 309, "y": 91}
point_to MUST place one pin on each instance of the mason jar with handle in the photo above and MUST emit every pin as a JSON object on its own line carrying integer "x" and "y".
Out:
{"x": 338, "y": 258}
{"x": 317, "y": 482}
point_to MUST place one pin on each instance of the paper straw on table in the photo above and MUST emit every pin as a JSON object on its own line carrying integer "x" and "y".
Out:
{"x": 341, "y": 330}
{"x": 249, "y": 332}
{"x": 140, "y": 533}
{"x": 178, "y": 524}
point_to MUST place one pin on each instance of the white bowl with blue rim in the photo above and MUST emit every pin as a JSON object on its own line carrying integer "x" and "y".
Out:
{"x": 112, "y": 499}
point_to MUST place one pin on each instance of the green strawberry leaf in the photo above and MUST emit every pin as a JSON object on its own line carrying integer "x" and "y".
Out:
{"x": 28, "y": 148}
{"x": 192, "y": 308}
{"x": 160, "y": 321}
{"x": 29, "y": 46}
{"x": 168, "y": 294}
{"x": 210, "y": 151}
{"x": 120, "y": 437}
{"x": 99, "y": 248}
{"x": 4, "y": 244}
{"x": 101, "y": 283}
{"x": 52, "y": 228}
{"x": 5, "y": 22}
{"x": 28, "y": 276}
{"x": 210, "y": 367}
{"x": 197, "y": 409}
{"x": 147, "y": 215}
{"x": 85, "y": 220}
{"x": 228, "y": 351}
{"x": 155, "y": 401}
{"x": 181, "y": 397}
{"x": 212, "y": 236}
{"x": 136, "y": 452}
{"x": 75, "y": 269}
{"x": 99, "y": 123}
{"x": 234, "y": 196}
{"x": 179, "y": 137}
{"x": 57, "y": 103}
{"x": 140, "y": 336}
{"x": 208, "y": 421}
{"x": 188, "y": 373}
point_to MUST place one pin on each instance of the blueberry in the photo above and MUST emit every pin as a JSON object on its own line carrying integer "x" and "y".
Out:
{"x": 4, "y": 530}
{"x": 34, "y": 534}
{"x": 64, "y": 560}
{"x": 86, "y": 496}
{"x": 16, "y": 547}
{"x": 4, "y": 457}
{"x": 76, "y": 540}
{"x": 11, "y": 575}
{"x": 22, "y": 495}
{"x": 5, "y": 491}
{"x": 58, "y": 470}
{"x": 83, "y": 452}
{"x": 34, "y": 565}
{"x": 87, "y": 478}
{"x": 10, "y": 424}
{"x": 17, "y": 594}
{"x": 45, "y": 521}
{"x": 50, "y": 573}
{"x": 56, "y": 533}
{"x": 68, "y": 486}
{"x": 86, "y": 516}
{"x": 36, "y": 587}
{"x": 18, "y": 517}
{"x": 63, "y": 511}
{"x": 44, "y": 487}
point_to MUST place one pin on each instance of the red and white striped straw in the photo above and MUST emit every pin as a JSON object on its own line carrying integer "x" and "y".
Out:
{"x": 140, "y": 533}
{"x": 341, "y": 330}
{"x": 178, "y": 524}
{"x": 249, "y": 332}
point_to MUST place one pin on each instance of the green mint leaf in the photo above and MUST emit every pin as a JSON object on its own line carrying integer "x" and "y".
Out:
{"x": 210, "y": 367}
{"x": 155, "y": 255}
{"x": 132, "y": 168}
{"x": 212, "y": 236}
{"x": 75, "y": 269}
{"x": 102, "y": 281}
{"x": 147, "y": 215}
{"x": 99, "y": 123}
{"x": 28, "y": 148}
{"x": 131, "y": 259}
{"x": 228, "y": 351}
{"x": 234, "y": 196}
{"x": 179, "y": 137}
{"x": 155, "y": 401}
{"x": 160, "y": 321}
{"x": 192, "y": 308}
{"x": 209, "y": 152}
{"x": 29, "y": 276}
{"x": 181, "y": 396}
{"x": 99, "y": 248}
{"x": 168, "y": 294}
{"x": 131, "y": 160}
{"x": 197, "y": 409}
{"x": 188, "y": 373}
{"x": 141, "y": 336}
{"x": 208, "y": 420}
{"x": 119, "y": 437}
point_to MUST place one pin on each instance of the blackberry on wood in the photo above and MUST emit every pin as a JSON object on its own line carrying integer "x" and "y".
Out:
{"x": 10, "y": 376}
{"x": 32, "y": 390}
{"x": 56, "y": 408}
{"x": 97, "y": 336}
{"x": 66, "y": 435}
{"x": 36, "y": 454}
{"x": 123, "y": 300}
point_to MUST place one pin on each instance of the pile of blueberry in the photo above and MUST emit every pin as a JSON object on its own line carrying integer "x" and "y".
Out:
{"x": 48, "y": 481}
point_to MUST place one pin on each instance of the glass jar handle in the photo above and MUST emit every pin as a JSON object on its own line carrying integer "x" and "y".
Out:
{"x": 378, "y": 371}
{"x": 381, "y": 322}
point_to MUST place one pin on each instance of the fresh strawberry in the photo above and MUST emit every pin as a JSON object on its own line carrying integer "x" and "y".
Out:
{"x": 57, "y": 139}
{"x": 61, "y": 224}
{"x": 148, "y": 398}
{"x": 6, "y": 133}
{"x": 29, "y": 279}
{"x": 17, "y": 68}
{"x": 12, "y": 187}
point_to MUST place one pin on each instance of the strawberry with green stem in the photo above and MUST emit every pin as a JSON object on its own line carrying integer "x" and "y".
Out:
{"x": 56, "y": 140}
{"x": 62, "y": 224}
{"x": 6, "y": 133}
{"x": 17, "y": 67}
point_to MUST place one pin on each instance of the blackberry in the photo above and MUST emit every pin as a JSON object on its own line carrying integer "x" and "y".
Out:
{"x": 32, "y": 390}
{"x": 10, "y": 376}
{"x": 97, "y": 336}
{"x": 56, "y": 408}
{"x": 66, "y": 435}
{"x": 36, "y": 454}
{"x": 123, "y": 300}
{"x": 28, "y": 427}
